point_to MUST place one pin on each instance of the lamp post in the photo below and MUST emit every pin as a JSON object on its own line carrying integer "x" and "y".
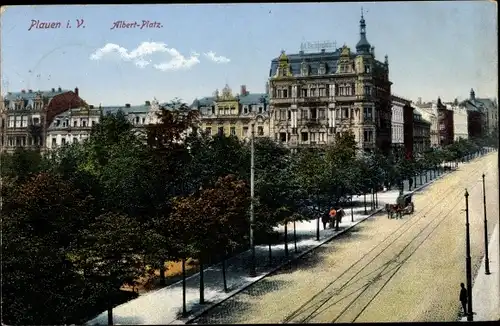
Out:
{"x": 468, "y": 266}
{"x": 252, "y": 216}
{"x": 486, "y": 257}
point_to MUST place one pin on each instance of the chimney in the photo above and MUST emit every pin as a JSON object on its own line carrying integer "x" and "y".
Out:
{"x": 59, "y": 89}
{"x": 23, "y": 91}
{"x": 30, "y": 91}
{"x": 243, "y": 91}
{"x": 76, "y": 91}
{"x": 373, "y": 51}
{"x": 53, "y": 90}
{"x": 127, "y": 105}
{"x": 419, "y": 100}
{"x": 148, "y": 103}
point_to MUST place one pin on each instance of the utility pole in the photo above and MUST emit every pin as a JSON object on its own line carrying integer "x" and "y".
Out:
{"x": 468, "y": 266}
{"x": 486, "y": 256}
{"x": 253, "y": 272}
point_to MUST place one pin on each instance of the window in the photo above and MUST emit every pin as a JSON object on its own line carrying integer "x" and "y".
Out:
{"x": 304, "y": 136}
{"x": 368, "y": 90}
{"x": 213, "y": 109}
{"x": 345, "y": 113}
{"x": 322, "y": 69}
{"x": 220, "y": 132}
{"x": 367, "y": 69}
{"x": 321, "y": 136}
{"x": 304, "y": 114}
{"x": 75, "y": 140}
{"x": 280, "y": 93}
{"x": 260, "y": 131}
{"x": 54, "y": 142}
{"x": 84, "y": 123}
{"x": 143, "y": 121}
{"x": 313, "y": 136}
{"x": 260, "y": 109}
{"x": 294, "y": 131}
{"x": 244, "y": 133}
{"x": 322, "y": 92}
{"x": 93, "y": 123}
{"x": 24, "y": 121}
{"x": 313, "y": 114}
{"x": 208, "y": 130}
{"x": 245, "y": 110}
{"x": 367, "y": 114}
{"x": 63, "y": 141}
{"x": 11, "y": 122}
{"x": 11, "y": 141}
{"x": 74, "y": 123}
{"x": 232, "y": 131}
{"x": 285, "y": 93}
{"x": 289, "y": 115}
{"x": 283, "y": 114}
{"x": 313, "y": 92}
{"x": 368, "y": 136}
{"x": 303, "y": 92}
{"x": 321, "y": 113}
{"x": 283, "y": 136}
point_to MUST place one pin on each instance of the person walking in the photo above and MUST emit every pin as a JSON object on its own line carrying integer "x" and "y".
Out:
{"x": 463, "y": 297}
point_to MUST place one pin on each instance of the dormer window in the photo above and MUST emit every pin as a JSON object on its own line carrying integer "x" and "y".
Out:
{"x": 322, "y": 69}
{"x": 304, "y": 69}
{"x": 245, "y": 110}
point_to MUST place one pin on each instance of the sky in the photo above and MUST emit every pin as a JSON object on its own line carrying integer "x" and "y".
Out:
{"x": 188, "y": 51}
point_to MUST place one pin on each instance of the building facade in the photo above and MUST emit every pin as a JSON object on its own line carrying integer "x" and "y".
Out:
{"x": 428, "y": 111}
{"x": 228, "y": 114}
{"x": 75, "y": 125}
{"x": 421, "y": 134}
{"x": 446, "y": 124}
{"x": 476, "y": 117}
{"x": 27, "y": 115}
{"x": 408, "y": 130}
{"x": 315, "y": 96}
{"x": 460, "y": 121}
{"x": 397, "y": 120}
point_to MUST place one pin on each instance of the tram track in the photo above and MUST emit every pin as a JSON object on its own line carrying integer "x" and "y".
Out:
{"x": 311, "y": 308}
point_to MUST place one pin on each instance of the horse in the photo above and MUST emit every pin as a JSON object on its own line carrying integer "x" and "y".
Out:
{"x": 327, "y": 219}
{"x": 393, "y": 209}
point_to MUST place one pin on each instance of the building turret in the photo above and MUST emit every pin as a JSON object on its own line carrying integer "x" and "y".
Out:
{"x": 363, "y": 46}
{"x": 472, "y": 94}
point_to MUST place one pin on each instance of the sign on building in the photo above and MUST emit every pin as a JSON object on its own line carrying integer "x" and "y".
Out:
{"x": 318, "y": 45}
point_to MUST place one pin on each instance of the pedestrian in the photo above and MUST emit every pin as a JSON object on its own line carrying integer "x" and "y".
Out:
{"x": 463, "y": 297}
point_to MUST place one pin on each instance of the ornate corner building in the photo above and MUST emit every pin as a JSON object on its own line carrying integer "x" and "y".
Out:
{"x": 27, "y": 115}
{"x": 228, "y": 114}
{"x": 314, "y": 96}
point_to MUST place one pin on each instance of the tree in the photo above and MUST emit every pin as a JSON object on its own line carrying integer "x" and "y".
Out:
{"x": 110, "y": 254}
{"x": 213, "y": 220}
{"x": 41, "y": 221}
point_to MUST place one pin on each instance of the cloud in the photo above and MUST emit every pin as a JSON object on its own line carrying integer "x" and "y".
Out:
{"x": 138, "y": 55}
{"x": 218, "y": 59}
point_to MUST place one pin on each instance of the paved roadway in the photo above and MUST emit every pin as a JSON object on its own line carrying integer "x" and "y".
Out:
{"x": 385, "y": 270}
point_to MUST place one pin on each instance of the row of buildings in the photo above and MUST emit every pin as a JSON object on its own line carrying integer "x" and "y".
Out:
{"x": 309, "y": 99}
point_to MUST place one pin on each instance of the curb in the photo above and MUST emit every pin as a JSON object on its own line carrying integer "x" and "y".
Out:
{"x": 300, "y": 255}
{"x": 322, "y": 242}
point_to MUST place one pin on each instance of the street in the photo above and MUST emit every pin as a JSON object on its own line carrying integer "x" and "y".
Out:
{"x": 383, "y": 270}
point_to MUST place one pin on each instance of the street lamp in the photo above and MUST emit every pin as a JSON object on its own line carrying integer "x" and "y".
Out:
{"x": 468, "y": 266}
{"x": 253, "y": 272}
{"x": 486, "y": 258}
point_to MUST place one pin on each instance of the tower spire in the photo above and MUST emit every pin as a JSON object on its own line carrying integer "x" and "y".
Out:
{"x": 363, "y": 46}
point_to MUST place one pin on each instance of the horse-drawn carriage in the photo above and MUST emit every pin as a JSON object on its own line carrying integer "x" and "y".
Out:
{"x": 404, "y": 206}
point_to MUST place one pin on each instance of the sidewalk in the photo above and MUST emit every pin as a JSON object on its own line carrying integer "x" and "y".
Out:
{"x": 164, "y": 306}
{"x": 486, "y": 288}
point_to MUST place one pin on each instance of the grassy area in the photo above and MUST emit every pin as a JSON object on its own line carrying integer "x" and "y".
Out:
{"x": 172, "y": 275}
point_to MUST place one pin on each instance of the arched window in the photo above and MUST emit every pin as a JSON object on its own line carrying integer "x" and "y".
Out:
{"x": 304, "y": 69}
